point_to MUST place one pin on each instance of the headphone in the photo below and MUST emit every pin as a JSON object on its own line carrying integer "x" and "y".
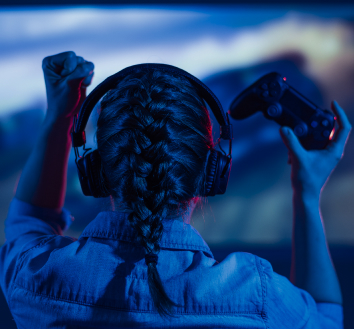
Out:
{"x": 89, "y": 165}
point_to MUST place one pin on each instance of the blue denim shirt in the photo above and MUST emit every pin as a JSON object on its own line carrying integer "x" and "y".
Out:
{"x": 100, "y": 280}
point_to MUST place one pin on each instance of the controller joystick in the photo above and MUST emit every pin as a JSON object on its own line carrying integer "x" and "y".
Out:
{"x": 281, "y": 103}
{"x": 301, "y": 129}
{"x": 274, "y": 110}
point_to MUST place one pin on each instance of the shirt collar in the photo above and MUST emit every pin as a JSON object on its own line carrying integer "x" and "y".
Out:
{"x": 176, "y": 234}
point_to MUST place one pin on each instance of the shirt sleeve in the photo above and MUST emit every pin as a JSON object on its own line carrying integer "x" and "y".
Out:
{"x": 24, "y": 218}
{"x": 26, "y": 226}
{"x": 287, "y": 306}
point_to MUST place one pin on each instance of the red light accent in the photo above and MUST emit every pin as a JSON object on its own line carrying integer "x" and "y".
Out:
{"x": 284, "y": 78}
{"x": 16, "y": 183}
{"x": 335, "y": 118}
{"x": 112, "y": 203}
{"x": 331, "y": 135}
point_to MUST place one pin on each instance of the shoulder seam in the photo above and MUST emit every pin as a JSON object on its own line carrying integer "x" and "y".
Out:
{"x": 264, "y": 289}
{"x": 19, "y": 261}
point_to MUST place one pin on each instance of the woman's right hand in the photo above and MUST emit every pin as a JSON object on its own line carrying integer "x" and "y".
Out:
{"x": 311, "y": 169}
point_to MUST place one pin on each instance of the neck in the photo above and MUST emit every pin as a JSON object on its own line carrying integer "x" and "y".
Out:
{"x": 176, "y": 215}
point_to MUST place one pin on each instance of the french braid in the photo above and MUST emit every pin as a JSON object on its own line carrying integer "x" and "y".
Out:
{"x": 153, "y": 136}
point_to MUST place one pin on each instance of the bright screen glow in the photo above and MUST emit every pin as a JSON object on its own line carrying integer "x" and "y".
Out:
{"x": 226, "y": 47}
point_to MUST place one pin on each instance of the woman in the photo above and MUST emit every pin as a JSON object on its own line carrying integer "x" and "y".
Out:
{"x": 102, "y": 280}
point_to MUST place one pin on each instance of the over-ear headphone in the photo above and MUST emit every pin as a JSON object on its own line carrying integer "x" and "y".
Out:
{"x": 89, "y": 165}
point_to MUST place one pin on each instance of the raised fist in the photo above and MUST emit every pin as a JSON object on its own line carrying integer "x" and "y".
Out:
{"x": 66, "y": 78}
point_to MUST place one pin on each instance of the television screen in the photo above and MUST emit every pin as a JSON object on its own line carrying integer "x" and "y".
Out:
{"x": 228, "y": 48}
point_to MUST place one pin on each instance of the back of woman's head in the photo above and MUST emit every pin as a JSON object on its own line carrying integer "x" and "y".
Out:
{"x": 153, "y": 136}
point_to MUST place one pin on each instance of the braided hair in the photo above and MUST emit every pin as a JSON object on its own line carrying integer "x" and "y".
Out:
{"x": 154, "y": 135}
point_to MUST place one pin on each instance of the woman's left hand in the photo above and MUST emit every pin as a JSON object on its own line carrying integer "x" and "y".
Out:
{"x": 66, "y": 78}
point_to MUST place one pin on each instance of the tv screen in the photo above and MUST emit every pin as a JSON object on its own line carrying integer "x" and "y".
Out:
{"x": 228, "y": 48}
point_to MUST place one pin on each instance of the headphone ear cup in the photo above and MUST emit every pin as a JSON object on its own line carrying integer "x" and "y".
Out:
{"x": 91, "y": 181}
{"x": 217, "y": 173}
{"x": 210, "y": 172}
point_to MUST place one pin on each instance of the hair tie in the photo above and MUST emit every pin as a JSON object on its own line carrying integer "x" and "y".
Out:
{"x": 151, "y": 258}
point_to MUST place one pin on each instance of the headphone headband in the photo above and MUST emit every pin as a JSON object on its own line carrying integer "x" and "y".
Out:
{"x": 93, "y": 181}
{"x": 78, "y": 132}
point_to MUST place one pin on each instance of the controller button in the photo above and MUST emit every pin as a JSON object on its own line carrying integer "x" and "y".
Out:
{"x": 326, "y": 133}
{"x": 273, "y": 92}
{"x": 272, "y": 85}
{"x": 265, "y": 94}
{"x": 325, "y": 123}
{"x": 264, "y": 86}
{"x": 314, "y": 124}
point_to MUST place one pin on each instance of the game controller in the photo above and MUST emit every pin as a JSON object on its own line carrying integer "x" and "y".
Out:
{"x": 283, "y": 104}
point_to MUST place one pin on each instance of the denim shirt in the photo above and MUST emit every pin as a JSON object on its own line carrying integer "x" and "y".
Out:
{"x": 100, "y": 280}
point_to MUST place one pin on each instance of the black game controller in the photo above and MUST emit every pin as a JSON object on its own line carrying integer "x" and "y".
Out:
{"x": 279, "y": 102}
